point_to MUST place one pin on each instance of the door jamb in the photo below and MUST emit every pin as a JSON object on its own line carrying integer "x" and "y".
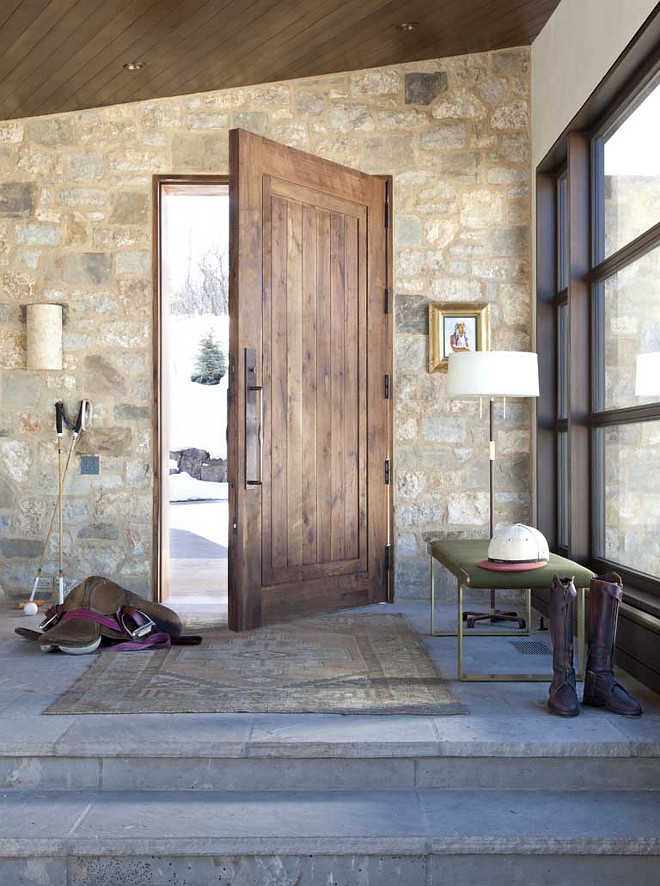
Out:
{"x": 157, "y": 350}
{"x": 389, "y": 263}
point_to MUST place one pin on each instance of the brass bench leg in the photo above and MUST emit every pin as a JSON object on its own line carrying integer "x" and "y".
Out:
{"x": 517, "y": 678}
{"x": 507, "y": 678}
{"x": 432, "y": 595}
{"x": 460, "y": 630}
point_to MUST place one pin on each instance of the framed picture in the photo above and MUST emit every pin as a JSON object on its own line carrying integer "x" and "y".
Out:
{"x": 454, "y": 328}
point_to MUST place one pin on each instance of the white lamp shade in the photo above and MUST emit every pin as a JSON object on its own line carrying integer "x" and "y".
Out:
{"x": 647, "y": 377}
{"x": 44, "y": 336}
{"x": 493, "y": 374}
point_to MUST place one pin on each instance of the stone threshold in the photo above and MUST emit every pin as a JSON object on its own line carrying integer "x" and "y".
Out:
{"x": 231, "y": 736}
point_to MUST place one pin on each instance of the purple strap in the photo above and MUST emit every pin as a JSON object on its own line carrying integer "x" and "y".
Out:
{"x": 155, "y": 640}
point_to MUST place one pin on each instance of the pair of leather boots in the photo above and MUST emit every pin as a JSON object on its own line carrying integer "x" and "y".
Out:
{"x": 601, "y": 688}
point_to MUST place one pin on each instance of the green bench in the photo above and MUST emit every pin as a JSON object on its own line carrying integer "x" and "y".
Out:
{"x": 461, "y": 557}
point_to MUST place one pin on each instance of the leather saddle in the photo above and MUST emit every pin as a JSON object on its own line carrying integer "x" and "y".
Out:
{"x": 98, "y": 612}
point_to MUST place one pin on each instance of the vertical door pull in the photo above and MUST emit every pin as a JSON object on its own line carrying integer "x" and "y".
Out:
{"x": 254, "y": 422}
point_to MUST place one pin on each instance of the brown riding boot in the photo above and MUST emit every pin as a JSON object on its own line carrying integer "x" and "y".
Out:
{"x": 563, "y": 698}
{"x": 601, "y": 689}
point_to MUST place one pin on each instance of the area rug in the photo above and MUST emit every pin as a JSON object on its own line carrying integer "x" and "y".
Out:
{"x": 338, "y": 664}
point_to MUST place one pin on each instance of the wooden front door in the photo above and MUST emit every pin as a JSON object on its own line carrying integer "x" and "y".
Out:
{"x": 310, "y": 364}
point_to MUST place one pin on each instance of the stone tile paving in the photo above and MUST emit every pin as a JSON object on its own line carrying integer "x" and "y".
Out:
{"x": 504, "y": 718}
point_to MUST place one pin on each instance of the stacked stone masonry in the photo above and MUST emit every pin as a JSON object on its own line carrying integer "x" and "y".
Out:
{"x": 75, "y": 228}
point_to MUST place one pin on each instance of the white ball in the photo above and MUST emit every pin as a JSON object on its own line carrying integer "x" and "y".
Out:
{"x": 30, "y": 608}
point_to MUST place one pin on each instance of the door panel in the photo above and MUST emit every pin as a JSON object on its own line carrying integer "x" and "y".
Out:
{"x": 314, "y": 464}
{"x": 308, "y": 295}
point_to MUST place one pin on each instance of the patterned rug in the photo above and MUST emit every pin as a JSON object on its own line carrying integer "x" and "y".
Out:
{"x": 338, "y": 664}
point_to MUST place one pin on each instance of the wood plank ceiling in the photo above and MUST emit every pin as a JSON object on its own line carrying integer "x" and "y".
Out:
{"x": 64, "y": 55}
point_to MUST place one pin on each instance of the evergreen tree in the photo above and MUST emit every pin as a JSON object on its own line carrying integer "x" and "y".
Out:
{"x": 210, "y": 364}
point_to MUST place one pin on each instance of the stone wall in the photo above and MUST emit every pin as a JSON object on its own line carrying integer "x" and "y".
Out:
{"x": 75, "y": 228}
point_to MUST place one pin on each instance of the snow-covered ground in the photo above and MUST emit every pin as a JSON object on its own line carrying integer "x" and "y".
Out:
{"x": 209, "y": 520}
{"x": 197, "y": 413}
{"x": 183, "y": 487}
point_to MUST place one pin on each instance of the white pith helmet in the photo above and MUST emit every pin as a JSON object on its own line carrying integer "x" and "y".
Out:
{"x": 515, "y": 548}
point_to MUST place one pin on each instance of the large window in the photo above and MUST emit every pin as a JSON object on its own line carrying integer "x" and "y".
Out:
{"x": 599, "y": 312}
{"x": 625, "y": 280}
{"x": 630, "y": 478}
{"x": 628, "y": 182}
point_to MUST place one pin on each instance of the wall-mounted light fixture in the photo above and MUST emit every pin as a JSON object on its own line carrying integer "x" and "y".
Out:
{"x": 44, "y": 336}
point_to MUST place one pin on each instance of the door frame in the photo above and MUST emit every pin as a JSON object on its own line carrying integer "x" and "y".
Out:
{"x": 157, "y": 356}
{"x": 389, "y": 309}
{"x": 159, "y": 543}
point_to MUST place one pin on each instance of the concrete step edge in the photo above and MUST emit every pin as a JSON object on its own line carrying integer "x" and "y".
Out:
{"x": 310, "y": 750}
{"x": 418, "y": 822}
{"x": 336, "y": 845}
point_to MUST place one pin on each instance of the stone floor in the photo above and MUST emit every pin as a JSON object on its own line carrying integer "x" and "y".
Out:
{"x": 506, "y": 795}
{"x": 198, "y": 551}
{"x": 504, "y": 715}
{"x": 196, "y": 580}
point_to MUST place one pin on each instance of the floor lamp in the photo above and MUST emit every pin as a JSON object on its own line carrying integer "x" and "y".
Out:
{"x": 492, "y": 374}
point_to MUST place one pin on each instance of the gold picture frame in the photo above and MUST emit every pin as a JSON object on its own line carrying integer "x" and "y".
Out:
{"x": 446, "y": 335}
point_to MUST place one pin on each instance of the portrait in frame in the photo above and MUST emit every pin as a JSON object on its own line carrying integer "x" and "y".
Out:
{"x": 455, "y": 328}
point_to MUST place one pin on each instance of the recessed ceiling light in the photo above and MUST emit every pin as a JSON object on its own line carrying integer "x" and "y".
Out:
{"x": 134, "y": 66}
{"x": 407, "y": 26}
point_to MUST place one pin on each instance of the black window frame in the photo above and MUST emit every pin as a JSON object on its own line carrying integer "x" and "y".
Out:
{"x": 573, "y": 518}
{"x": 602, "y": 269}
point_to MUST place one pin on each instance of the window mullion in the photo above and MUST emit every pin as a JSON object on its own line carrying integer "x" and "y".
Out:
{"x": 579, "y": 347}
{"x": 627, "y": 254}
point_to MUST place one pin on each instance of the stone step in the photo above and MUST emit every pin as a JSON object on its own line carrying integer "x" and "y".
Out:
{"x": 386, "y": 838}
{"x": 291, "y": 773}
{"x": 238, "y": 753}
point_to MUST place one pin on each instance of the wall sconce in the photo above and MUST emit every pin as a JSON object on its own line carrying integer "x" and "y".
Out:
{"x": 44, "y": 336}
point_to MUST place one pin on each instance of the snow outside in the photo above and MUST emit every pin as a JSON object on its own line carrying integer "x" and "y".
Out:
{"x": 196, "y": 339}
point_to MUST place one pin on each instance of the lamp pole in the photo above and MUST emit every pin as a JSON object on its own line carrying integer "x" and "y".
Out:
{"x": 492, "y": 374}
{"x": 491, "y": 456}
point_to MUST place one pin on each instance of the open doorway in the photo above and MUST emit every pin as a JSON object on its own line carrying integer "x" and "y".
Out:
{"x": 307, "y": 438}
{"x": 193, "y": 348}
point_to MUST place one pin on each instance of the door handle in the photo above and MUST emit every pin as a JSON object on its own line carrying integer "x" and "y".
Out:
{"x": 254, "y": 422}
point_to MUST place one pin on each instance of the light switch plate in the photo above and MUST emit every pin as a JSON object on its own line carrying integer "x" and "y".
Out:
{"x": 89, "y": 464}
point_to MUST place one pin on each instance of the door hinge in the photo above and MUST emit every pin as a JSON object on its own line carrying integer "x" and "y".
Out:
{"x": 388, "y": 386}
{"x": 388, "y": 471}
{"x": 388, "y": 557}
{"x": 388, "y": 300}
